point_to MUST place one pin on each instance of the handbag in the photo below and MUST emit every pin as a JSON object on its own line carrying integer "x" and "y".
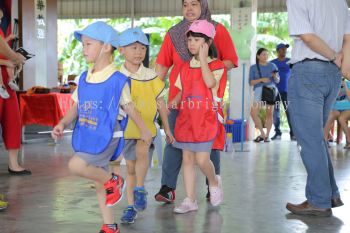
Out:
{"x": 268, "y": 93}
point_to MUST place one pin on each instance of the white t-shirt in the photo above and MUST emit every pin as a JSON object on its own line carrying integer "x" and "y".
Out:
{"x": 328, "y": 19}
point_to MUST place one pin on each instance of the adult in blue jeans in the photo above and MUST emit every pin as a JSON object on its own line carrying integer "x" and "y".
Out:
{"x": 284, "y": 72}
{"x": 173, "y": 54}
{"x": 321, "y": 33}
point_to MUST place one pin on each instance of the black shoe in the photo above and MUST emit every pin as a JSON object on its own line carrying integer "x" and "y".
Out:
{"x": 165, "y": 195}
{"x": 19, "y": 173}
{"x": 337, "y": 202}
{"x": 258, "y": 139}
{"x": 276, "y": 137}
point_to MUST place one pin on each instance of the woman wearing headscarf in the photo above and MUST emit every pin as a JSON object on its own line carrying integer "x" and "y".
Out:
{"x": 173, "y": 54}
{"x": 10, "y": 120}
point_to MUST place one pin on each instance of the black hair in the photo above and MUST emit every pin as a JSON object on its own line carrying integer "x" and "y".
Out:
{"x": 212, "y": 49}
{"x": 260, "y": 51}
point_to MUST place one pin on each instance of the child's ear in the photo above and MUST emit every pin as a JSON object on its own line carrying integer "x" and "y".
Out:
{"x": 210, "y": 41}
{"x": 120, "y": 50}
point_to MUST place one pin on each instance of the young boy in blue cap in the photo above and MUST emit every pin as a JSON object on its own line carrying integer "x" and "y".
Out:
{"x": 147, "y": 92}
{"x": 98, "y": 133}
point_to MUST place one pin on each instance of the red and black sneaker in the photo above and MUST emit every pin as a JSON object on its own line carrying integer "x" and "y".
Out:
{"x": 106, "y": 229}
{"x": 114, "y": 190}
{"x": 165, "y": 195}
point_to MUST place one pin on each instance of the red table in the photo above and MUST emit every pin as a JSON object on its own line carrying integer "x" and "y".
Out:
{"x": 44, "y": 109}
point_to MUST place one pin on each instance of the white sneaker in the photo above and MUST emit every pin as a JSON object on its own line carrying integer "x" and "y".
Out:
{"x": 13, "y": 85}
{"x": 186, "y": 206}
{"x": 216, "y": 193}
{"x": 3, "y": 93}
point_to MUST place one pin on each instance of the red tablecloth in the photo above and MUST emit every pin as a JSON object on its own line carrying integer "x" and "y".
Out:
{"x": 44, "y": 109}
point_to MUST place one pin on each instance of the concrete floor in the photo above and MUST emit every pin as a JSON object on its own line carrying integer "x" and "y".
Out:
{"x": 257, "y": 186}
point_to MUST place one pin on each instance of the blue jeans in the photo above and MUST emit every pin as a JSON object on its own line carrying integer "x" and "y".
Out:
{"x": 172, "y": 160}
{"x": 281, "y": 100}
{"x": 313, "y": 87}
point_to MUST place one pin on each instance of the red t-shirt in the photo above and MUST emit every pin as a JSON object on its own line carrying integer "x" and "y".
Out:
{"x": 169, "y": 57}
{"x": 3, "y": 36}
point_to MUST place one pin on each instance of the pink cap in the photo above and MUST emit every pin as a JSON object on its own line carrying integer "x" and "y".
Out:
{"x": 204, "y": 27}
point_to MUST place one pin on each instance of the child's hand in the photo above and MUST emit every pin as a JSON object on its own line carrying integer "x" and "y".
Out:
{"x": 203, "y": 52}
{"x": 57, "y": 132}
{"x": 9, "y": 64}
{"x": 146, "y": 136}
{"x": 169, "y": 136}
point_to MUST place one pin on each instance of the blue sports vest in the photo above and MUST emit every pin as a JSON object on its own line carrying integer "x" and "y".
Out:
{"x": 98, "y": 109}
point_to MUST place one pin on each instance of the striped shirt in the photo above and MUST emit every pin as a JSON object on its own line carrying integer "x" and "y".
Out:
{"x": 328, "y": 19}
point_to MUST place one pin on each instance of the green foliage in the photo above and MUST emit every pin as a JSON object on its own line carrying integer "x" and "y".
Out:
{"x": 272, "y": 28}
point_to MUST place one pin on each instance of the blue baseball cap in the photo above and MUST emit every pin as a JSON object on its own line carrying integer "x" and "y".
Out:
{"x": 100, "y": 31}
{"x": 133, "y": 35}
{"x": 281, "y": 45}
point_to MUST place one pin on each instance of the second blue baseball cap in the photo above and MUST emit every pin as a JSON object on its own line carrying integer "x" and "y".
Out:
{"x": 281, "y": 45}
{"x": 100, "y": 31}
{"x": 133, "y": 35}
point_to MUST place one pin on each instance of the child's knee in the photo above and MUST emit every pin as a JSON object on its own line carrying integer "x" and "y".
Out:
{"x": 130, "y": 168}
{"x": 75, "y": 165}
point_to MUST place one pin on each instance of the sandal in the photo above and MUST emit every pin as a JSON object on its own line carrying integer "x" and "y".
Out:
{"x": 258, "y": 139}
{"x": 347, "y": 146}
{"x": 266, "y": 139}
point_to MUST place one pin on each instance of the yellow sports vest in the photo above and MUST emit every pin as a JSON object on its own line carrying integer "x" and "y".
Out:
{"x": 144, "y": 94}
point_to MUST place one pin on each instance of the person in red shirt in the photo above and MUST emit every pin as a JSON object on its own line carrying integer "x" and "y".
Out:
{"x": 173, "y": 54}
{"x": 9, "y": 110}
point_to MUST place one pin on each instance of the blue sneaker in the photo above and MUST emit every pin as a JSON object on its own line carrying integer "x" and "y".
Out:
{"x": 140, "y": 198}
{"x": 129, "y": 215}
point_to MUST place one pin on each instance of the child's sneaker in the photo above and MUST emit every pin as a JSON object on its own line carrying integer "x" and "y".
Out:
{"x": 106, "y": 229}
{"x": 165, "y": 194}
{"x": 129, "y": 215}
{"x": 3, "y": 205}
{"x": 3, "y": 93}
{"x": 216, "y": 193}
{"x": 13, "y": 85}
{"x": 186, "y": 206}
{"x": 114, "y": 190}
{"x": 140, "y": 198}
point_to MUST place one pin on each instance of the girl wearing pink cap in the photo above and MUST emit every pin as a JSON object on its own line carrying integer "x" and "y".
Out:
{"x": 172, "y": 55}
{"x": 198, "y": 101}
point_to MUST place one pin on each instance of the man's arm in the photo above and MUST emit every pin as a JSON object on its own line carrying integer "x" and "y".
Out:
{"x": 316, "y": 44}
{"x": 345, "y": 67}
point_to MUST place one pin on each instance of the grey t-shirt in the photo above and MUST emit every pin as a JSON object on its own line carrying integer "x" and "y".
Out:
{"x": 328, "y": 19}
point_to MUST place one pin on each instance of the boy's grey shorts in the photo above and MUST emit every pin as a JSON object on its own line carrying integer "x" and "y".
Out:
{"x": 101, "y": 160}
{"x": 129, "y": 151}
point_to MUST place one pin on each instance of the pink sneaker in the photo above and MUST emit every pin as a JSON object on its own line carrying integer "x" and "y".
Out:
{"x": 186, "y": 206}
{"x": 216, "y": 193}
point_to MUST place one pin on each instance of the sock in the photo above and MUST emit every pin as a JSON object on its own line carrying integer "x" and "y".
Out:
{"x": 139, "y": 188}
{"x": 112, "y": 226}
{"x": 114, "y": 177}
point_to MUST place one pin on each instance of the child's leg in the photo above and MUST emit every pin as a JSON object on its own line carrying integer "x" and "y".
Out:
{"x": 189, "y": 174}
{"x": 80, "y": 168}
{"x": 11, "y": 72}
{"x": 107, "y": 213}
{"x": 142, "y": 162}
{"x": 115, "y": 165}
{"x": 130, "y": 181}
{"x": 1, "y": 80}
{"x": 207, "y": 167}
